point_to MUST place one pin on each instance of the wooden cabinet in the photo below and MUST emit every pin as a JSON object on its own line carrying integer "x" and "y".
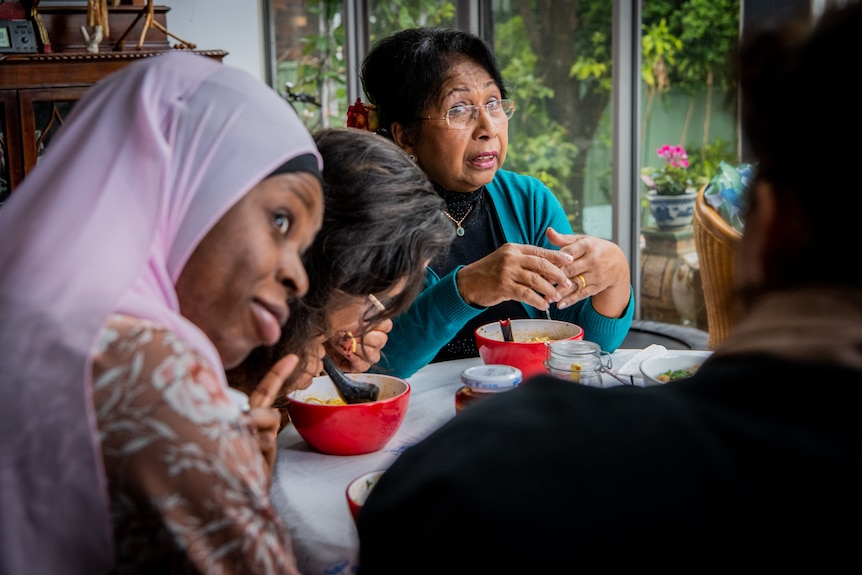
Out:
{"x": 10, "y": 160}
{"x": 31, "y": 118}
{"x": 37, "y": 92}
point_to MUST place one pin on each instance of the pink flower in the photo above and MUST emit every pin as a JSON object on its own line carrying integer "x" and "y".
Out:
{"x": 675, "y": 156}
{"x": 672, "y": 178}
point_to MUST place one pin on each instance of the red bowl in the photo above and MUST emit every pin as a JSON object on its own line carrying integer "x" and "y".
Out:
{"x": 358, "y": 490}
{"x": 349, "y": 429}
{"x": 529, "y": 351}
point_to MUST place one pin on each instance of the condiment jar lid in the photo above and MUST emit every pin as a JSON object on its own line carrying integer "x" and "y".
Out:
{"x": 491, "y": 377}
{"x": 572, "y": 347}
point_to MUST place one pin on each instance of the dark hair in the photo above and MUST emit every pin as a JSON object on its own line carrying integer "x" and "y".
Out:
{"x": 801, "y": 116}
{"x": 404, "y": 73}
{"x": 382, "y": 222}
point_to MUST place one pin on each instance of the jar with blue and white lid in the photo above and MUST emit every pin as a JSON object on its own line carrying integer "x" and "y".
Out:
{"x": 483, "y": 381}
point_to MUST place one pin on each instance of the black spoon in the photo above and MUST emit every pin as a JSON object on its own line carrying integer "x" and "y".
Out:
{"x": 350, "y": 390}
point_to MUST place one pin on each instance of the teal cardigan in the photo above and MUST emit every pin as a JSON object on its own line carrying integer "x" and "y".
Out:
{"x": 526, "y": 208}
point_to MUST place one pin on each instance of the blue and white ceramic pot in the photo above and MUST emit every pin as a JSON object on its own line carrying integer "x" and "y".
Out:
{"x": 672, "y": 213}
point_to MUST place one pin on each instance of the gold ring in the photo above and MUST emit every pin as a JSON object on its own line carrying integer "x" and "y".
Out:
{"x": 352, "y": 342}
{"x": 583, "y": 281}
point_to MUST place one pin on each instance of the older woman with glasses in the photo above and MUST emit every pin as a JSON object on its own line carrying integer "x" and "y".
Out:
{"x": 439, "y": 95}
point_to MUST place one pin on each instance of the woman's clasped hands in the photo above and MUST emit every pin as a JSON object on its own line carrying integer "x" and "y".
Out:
{"x": 524, "y": 273}
{"x": 584, "y": 266}
{"x": 597, "y": 268}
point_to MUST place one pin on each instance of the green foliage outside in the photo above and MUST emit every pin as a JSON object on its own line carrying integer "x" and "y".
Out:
{"x": 563, "y": 88}
{"x": 322, "y": 72}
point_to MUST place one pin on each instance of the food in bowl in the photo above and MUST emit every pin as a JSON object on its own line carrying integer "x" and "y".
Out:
{"x": 333, "y": 427}
{"x": 534, "y": 339}
{"x": 530, "y": 349}
{"x": 672, "y": 366}
{"x": 358, "y": 490}
{"x": 677, "y": 374}
{"x": 327, "y": 401}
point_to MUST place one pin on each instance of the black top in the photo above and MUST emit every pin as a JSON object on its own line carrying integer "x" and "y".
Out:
{"x": 754, "y": 464}
{"x": 483, "y": 234}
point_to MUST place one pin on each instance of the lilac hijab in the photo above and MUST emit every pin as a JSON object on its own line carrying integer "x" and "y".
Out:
{"x": 148, "y": 161}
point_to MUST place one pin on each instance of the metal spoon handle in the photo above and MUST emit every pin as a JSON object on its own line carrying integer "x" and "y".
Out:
{"x": 624, "y": 379}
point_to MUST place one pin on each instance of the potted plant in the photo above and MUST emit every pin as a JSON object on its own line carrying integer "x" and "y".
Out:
{"x": 670, "y": 189}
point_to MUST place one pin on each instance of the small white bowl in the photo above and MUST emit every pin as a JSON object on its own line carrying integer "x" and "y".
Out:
{"x": 358, "y": 490}
{"x": 653, "y": 367}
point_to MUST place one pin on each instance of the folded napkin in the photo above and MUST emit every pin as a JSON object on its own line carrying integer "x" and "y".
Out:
{"x": 632, "y": 366}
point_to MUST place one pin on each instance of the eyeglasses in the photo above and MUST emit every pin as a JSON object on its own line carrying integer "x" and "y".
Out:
{"x": 374, "y": 310}
{"x": 376, "y": 302}
{"x": 461, "y": 117}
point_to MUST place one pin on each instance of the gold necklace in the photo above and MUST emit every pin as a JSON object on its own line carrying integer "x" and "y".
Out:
{"x": 460, "y": 229}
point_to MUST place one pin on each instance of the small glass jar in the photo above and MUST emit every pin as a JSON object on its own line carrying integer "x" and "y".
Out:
{"x": 578, "y": 360}
{"x": 483, "y": 381}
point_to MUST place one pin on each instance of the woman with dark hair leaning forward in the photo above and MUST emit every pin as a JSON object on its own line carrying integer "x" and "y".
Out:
{"x": 382, "y": 224}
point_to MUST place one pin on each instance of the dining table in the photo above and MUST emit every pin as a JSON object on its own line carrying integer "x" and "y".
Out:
{"x": 309, "y": 488}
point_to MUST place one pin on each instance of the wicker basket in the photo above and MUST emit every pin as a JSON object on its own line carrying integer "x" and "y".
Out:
{"x": 716, "y": 241}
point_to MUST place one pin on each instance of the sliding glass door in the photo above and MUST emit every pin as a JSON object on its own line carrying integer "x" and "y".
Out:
{"x": 558, "y": 57}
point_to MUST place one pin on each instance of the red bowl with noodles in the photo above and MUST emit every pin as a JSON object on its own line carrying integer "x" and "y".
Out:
{"x": 333, "y": 427}
{"x": 529, "y": 351}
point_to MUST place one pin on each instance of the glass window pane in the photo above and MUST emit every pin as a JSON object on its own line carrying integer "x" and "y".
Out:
{"x": 687, "y": 96}
{"x": 49, "y": 117}
{"x": 386, "y": 17}
{"x": 556, "y": 60}
{"x": 309, "y": 55}
{"x": 687, "y": 101}
{"x": 309, "y": 49}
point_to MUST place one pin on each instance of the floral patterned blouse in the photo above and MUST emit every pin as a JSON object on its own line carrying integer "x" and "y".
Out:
{"x": 188, "y": 487}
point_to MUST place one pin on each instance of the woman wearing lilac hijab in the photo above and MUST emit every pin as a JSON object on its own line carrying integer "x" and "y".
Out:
{"x": 157, "y": 243}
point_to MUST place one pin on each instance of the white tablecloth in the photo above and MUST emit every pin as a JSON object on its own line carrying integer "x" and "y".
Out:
{"x": 308, "y": 488}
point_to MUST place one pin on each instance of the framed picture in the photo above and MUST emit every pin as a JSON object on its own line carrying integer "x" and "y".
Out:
{"x": 5, "y": 36}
